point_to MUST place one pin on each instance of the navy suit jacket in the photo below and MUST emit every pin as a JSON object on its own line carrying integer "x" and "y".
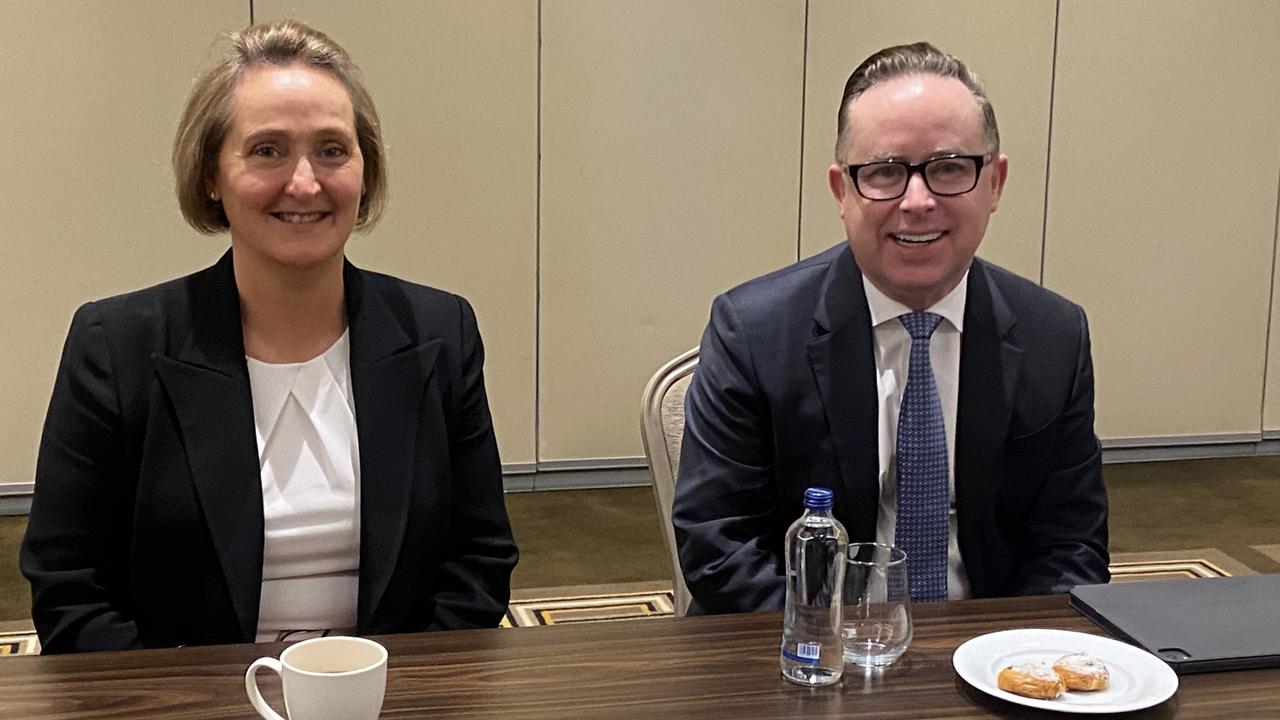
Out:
{"x": 784, "y": 398}
{"x": 146, "y": 526}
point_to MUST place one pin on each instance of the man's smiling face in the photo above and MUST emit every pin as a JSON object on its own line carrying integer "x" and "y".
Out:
{"x": 917, "y": 247}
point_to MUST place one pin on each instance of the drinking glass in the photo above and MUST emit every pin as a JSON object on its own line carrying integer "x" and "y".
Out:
{"x": 877, "y": 605}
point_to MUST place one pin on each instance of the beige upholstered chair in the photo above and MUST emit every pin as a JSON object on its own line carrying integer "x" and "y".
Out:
{"x": 662, "y": 427}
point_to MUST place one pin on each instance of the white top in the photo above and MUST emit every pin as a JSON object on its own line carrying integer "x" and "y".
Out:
{"x": 893, "y": 352}
{"x": 309, "y": 458}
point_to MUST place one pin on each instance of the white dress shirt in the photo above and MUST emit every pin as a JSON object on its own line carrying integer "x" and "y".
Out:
{"x": 893, "y": 351}
{"x": 304, "y": 414}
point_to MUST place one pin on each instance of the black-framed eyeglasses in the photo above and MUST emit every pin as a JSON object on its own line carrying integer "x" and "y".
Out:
{"x": 945, "y": 176}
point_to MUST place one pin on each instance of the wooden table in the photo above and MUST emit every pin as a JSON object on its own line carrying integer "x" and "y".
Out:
{"x": 708, "y": 667}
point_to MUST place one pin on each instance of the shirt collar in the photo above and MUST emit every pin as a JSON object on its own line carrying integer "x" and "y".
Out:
{"x": 271, "y": 383}
{"x": 951, "y": 307}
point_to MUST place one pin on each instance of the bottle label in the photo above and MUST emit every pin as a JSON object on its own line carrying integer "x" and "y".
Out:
{"x": 808, "y": 653}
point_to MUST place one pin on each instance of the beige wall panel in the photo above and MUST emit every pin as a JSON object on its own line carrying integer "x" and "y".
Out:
{"x": 1009, "y": 43}
{"x": 456, "y": 86}
{"x": 670, "y": 160}
{"x": 1162, "y": 206}
{"x": 92, "y": 94}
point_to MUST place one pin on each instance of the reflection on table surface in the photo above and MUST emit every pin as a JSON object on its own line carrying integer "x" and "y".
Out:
{"x": 703, "y": 667}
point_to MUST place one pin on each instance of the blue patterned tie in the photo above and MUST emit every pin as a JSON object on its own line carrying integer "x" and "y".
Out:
{"x": 923, "y": 491}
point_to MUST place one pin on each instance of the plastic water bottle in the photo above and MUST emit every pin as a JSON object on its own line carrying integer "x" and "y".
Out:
{"x": 816, "y": 544}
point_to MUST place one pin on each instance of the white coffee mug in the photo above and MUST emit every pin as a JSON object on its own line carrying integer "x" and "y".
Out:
{"x": 327, "y": 678}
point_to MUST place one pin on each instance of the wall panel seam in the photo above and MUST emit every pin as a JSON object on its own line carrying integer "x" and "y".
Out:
{"x": 1048, "y": 152}
{"x": 1271, "y": 309}
{"x": 537, "y": 247}
{"x": 804, "y": 83}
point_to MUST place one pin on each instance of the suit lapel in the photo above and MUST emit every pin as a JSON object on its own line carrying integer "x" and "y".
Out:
{"x": 208, "y": 386}
{"x": 389, "y": 374}
{"x": 990, "y": 362}
{"x": 844, "y": 368}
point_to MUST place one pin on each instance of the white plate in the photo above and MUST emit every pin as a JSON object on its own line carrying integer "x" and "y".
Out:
{"x": 1138, "y": 678}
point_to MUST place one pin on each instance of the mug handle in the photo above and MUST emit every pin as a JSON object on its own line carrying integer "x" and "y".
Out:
{"x": 251, "y": 686}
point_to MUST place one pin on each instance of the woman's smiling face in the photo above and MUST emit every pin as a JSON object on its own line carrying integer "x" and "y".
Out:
{"x": 290, "y": 172}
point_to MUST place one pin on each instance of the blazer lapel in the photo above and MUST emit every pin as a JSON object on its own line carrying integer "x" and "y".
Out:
{"x": 208, "y": 386}
{"x": 990, "y": 362}
{"x": 843, "y": 362}
{"x": 389, "y": 374}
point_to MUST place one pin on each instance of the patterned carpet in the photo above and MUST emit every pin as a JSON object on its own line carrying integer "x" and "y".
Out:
{"x": 558, "y": 606}
{"x": 632, "y": 601}
{"x": 1175, "y": 565}
{"x": 18, "y": 638}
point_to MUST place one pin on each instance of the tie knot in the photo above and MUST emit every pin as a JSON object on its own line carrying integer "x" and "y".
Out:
{"x": 920, "y": 324}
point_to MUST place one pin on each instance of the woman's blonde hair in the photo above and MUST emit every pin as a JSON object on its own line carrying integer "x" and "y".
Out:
{"x": 207, "y": 116}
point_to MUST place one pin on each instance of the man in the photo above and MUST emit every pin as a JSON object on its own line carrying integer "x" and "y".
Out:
{"x": 947, "y": 402}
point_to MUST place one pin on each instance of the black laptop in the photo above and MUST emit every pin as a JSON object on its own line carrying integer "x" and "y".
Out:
{"x": 1197, "y": 625}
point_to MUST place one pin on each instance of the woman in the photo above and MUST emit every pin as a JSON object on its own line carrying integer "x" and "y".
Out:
{"x": 282, "y": 444}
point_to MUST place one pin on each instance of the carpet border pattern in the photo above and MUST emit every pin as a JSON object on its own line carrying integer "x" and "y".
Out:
{"x": 20, "y": 643}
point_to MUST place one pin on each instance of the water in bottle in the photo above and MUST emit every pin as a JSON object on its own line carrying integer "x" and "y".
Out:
{"x": 815, "y": 555}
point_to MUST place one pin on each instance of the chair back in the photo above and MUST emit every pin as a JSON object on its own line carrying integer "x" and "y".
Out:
{"x": 662, "y": 428}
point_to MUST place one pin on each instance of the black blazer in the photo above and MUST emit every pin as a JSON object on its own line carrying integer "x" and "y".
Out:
{"x": 784, "y": 398}
{"x": 146, "y": 525}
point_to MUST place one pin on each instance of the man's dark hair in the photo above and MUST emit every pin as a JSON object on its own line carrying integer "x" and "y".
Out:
{"x": 919, "y": 58}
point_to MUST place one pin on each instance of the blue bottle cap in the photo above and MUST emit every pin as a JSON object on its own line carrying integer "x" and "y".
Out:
{"x": 817, "y": 499}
